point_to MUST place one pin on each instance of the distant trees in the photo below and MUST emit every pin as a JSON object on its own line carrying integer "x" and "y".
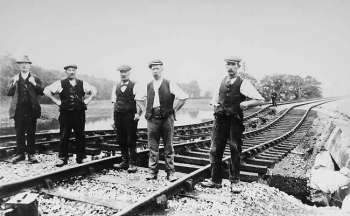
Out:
{"x": 191, "y": 88}
{"x": 290, "y": 87}
{"x": 8, "y": 69}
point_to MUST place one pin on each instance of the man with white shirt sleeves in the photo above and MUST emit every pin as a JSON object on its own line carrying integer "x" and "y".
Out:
{"x": 126, "y": 115}
{"x": 229, "y": 103}
{"x": 24, "y": 88}
{"x": 160, "y": 115}
{"x": 72, "y": 102}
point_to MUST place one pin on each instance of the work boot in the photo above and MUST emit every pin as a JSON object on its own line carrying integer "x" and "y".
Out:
{"x": 18, "y": 158}
{"x": 63, "y": 162}
{"x": 32, "y": 159}
{"x": 152, "y": 176}
{"x": 210, "y": 184}
{"x": 171, "y": 177}
{"x": 132, "y": 168}
{"x": 235, "y": 187}
{"x": 80, "y": 158}
{"x": 123, "y": 165}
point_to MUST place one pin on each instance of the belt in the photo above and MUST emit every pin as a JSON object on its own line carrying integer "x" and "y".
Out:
{"x": 156, "y": 113}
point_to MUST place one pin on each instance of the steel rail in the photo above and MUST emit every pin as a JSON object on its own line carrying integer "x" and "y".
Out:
{"x": 198, "y": 175}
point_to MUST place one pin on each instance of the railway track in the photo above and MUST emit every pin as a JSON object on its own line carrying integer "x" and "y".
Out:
{"x": 105, "y": 140}
{"x": 262, "y": 148}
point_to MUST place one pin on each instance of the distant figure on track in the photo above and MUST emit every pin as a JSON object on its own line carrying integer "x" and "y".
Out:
{"x": 25, "y": 108}
{"x": 72, "y": 105}
{"x": 160, "y": 115}
{"x": 229, "y": 103}
{"x": 274, "y": 98}
{"x": 126, "y": 116}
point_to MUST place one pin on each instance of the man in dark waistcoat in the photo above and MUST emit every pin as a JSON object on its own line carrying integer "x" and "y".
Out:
{"x": 229, "y": 103}
{"x": 25, "y": 109}
{"x": 160, "y": 115}
{"x": 126, "y": 116}
{"x": 72, "y": 102}
{"x": 274, "y": 98}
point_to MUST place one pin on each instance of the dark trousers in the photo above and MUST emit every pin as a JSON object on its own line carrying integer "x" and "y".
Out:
{"x": 273, "y": 102}
{"x": 157, "y": 128}
{"x": 126, "y": 128}
{"x": 72, "y": 120}
{"x": 226, "y": 128}
{"x": 25, "y": 124}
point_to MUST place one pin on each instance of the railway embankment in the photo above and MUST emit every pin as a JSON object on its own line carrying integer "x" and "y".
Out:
{"x": 317, "y": 171}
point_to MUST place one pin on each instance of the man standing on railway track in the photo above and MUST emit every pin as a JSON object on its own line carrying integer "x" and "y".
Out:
{"x": 72, "y": 103}
{"x": 126, "y": 116}
{"x": 25, "y": 108}
{"x": 160, "y": 115}
{"x": 229, "y": 103}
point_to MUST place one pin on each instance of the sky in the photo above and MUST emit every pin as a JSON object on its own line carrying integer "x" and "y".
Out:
{"x": 191, "y": 37}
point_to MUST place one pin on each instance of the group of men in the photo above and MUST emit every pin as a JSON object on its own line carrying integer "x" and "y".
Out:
{"x": 160, "y": 100}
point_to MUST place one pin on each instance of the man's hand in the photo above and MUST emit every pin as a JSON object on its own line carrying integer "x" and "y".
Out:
{"x": 32, "y": 80}
{"x": 243, "y": 106}
{"x": 87, "y": 101}
{"x": 136, "y": 117}
{"x": 57, "y": 102}
{"x": 15, "y": 79}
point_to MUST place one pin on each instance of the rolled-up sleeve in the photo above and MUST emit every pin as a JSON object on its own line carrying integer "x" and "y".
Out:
{"x": 248, "y": 90}
{"x": 177, "y": 91}
{"x": 140, "y": 91}
{"x": 54, "y": 88}
{"x": 113, "y": 95}
{"x": 89, "y": 88}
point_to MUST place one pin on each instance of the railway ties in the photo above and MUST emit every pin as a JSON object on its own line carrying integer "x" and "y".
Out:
{"x": 134, "y": 194}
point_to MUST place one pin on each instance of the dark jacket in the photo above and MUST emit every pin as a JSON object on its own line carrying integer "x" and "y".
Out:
{"x": 166, "y": 99}
{"x": 34, "y": 93}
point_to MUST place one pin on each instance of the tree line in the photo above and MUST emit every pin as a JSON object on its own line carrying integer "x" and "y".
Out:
{"x": 288, "y": 87}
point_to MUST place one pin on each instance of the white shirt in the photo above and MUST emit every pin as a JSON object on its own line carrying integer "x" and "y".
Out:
{"x": 56, "y": 87}
{"x": 24, "y": 75}
{"x": 174, "y": 89}
{"x": 247, "y": 89}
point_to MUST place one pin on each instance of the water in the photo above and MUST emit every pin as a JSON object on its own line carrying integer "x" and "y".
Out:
{"x": 182, "y": 117}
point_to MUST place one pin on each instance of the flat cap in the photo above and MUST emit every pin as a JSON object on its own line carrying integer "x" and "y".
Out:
{"x": 124, "y": 68}
{"x": 24, "y": 59}
{"x": 155, "y": 62}
{"x": 233, "y": 59}
{"x": 70, "y": 66}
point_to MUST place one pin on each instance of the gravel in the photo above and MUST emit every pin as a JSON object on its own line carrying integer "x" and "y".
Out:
{"x": 255, "y": 199}
{"x": 23, "y": 169}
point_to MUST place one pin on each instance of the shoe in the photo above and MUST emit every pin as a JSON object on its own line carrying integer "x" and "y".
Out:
{"x": 132, "y": 168}
{"x": 171, "y": 177}
{"x": 235, "y": 187}
{"x": 18, "y": 158}
{"x": 62, "y": 163}
{"x": 123, "y": 165}
{"x": 210, "y": 184}
{"x": 152, "y": 176}
{"x": 32, "y": 159}
{"x": 79, "y": 160}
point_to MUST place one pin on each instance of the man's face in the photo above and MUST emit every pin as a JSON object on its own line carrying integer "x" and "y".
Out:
{"x": 124, "y": 75}
{"x": 71, "y": 73}
{"x": 24, "y": 67}
{"x": 157, "y": 71}
{"x": 232, "y": 68}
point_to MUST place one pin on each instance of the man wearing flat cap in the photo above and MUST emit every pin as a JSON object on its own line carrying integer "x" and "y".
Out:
{"x": 126, "y": 116}
{"x": 72, "y": 102}
{"x": 24, "y": 88}
{"x": 160, "y": 115}
{"x": 229, "y": 102}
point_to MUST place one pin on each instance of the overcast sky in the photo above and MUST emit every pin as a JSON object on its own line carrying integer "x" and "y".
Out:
{"x": 192, "y": 37}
